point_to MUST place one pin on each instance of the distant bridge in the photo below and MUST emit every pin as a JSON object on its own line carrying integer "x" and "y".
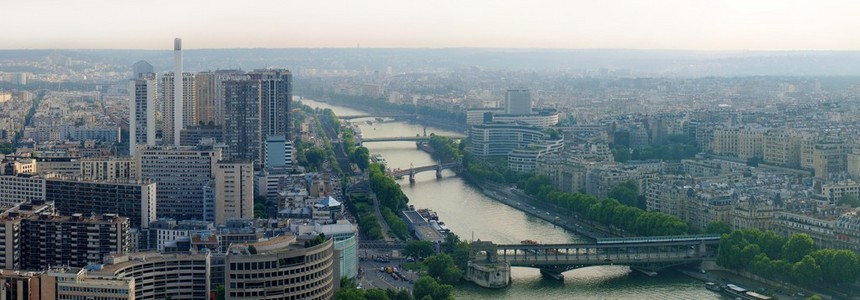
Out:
{"x": 403, "y": 139}
{"x": 395, "y": 116}
{"x": 413, "y": 170}
{"x": 646, "y": 254}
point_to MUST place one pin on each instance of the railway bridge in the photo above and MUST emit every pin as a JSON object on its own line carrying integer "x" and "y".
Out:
{"x": 489, "y": 263}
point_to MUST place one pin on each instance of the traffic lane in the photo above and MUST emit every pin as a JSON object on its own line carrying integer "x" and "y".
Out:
{"x": 374, "y": 278}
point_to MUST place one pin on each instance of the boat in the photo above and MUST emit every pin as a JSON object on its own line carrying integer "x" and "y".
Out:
{"x": 377, "y": 158}
{"x": 712, "y": 286}
{"x": 735, "y": 291}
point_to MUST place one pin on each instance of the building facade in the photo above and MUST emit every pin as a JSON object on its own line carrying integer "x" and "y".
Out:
{"x": 134, "y": 199}
{"x": 234, "y": 191}
{"x": 180, "y": 189}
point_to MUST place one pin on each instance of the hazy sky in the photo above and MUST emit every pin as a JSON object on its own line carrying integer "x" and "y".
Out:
{"x": 643, "y": 24}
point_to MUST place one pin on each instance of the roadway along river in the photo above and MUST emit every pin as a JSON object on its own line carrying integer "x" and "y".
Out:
{"x": 469, "y": 213}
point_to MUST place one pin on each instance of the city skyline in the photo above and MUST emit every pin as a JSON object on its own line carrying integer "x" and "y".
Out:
{"x": 663, "y": 24}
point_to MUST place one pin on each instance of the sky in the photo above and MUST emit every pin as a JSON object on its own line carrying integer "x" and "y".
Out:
{"x": 572, "y": 24}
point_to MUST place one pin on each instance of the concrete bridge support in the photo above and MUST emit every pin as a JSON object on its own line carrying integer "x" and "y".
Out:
{"x": 438, "y": 171}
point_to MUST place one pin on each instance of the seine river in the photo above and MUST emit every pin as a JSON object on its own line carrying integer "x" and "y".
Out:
{"x": 471, "y": 215}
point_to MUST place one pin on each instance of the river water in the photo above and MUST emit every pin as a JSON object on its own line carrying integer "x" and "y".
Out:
{"x": 471, "y": 215}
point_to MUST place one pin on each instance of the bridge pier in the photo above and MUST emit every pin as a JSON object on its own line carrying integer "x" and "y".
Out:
{"x": 552, "y": 274}
{"x": 438, "y": 171}
{"x": 412, "y": 175}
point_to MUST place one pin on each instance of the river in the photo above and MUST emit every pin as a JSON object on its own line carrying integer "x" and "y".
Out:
{"x": 471, "y": 215}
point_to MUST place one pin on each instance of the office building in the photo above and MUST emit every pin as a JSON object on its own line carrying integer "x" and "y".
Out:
{"x": 142, "y": 106}
{"x": 69, "y": 284}
{"x": 36, "y": 236}
{"x": 276, "y": 92}
{"x": 172, "y": 125}
{"x": 140, "y": 68}
{"x": 281, "y": 268}
{"x": 498, "y": 139}
{"x": 161, "y": 276}
{"x": 209, "y": 92}
{"x": 20, "y": 188}
{"x": 242, "y": 131}
{"x": 134, "y": 199}
{"x": 193, "y": 135}
{"x": 518, "y": 101}
{"x": 107, "y": 168}
{"x": 181, "y": 174}
{"x": 279, "y": 153}
{"x": 234, "y": 191}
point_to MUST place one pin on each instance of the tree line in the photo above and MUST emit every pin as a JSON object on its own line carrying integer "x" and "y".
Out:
{"x": 391, "y": 199}
{"x": 795, "y": 260}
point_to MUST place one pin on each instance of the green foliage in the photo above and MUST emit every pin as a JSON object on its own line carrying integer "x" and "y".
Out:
{"x": 314, "y": 156}
{"x": 315, "y": 241}
{"x": 360, "y": 157}
{"x": 427, "y": 286}
{"x": 837, "y": 266}
{"x": 387, "y": 190}
{"x": 799, "y": 246}
{"x": 252, "y": 249}
{"x": 220, "y": 293}
{"x": 376, "y": 294}
{"x": 850, "y": 200}
{"x": 628, "y": 194}
{"x": 260, "y": 207}
{"x": 7, "y": 148}
{"x": 395, "y": 223}
{"x": 445, "y": 149}
{"x": 416, "y": 248}
{"x": 442, "y": 268}
{"x": 718, "y": 227}
{"x": 806, "y": 271}
{"x": 457, "y": 249}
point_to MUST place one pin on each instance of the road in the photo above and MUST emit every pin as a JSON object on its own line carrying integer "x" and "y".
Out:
{"x": 371, "y": 277}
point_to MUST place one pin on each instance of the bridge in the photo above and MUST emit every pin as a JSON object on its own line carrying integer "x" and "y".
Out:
{"x": 403, "y": 139}
{"x": 395, "y": 116}
{"x": 489, "y": 264}
{"x": 413, "y": 170}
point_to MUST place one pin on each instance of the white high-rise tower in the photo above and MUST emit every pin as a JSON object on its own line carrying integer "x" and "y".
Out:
{"x": 141, "y": 121}
{"x": 177, "y": 90}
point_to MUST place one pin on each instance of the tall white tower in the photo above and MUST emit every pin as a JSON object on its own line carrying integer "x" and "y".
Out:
{"x": 177, "y": 89}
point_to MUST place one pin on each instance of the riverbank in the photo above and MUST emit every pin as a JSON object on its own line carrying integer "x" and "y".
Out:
{"x": 525, "y": 204}
{"x": 422, "y": 120}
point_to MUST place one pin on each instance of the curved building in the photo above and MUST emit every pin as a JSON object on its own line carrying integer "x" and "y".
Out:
{"x": 281, "y": 268}
{"x": 498, "y": 139}
{"x": 161, "y": 276}
{"x": 525, "y": 159}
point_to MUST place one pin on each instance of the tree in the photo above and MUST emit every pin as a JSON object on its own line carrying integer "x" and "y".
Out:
{"x": 417, "y": 248}
{"x": 442, "y": 268}
{"x": 376, "y": 294}
{"x": 260, "y": 207}
{"x": 837, "y": 266}
{"x": 850, "y": 199}
{"x": 798, "y": 247}
{"x": 252, "y": 249}
{"x": 718, "y": 227}
{"x": 220, "y": 293}
{"x": 427, "y": 286}
{"x": 806, "y": 271}
{"x": 361, "y": 157}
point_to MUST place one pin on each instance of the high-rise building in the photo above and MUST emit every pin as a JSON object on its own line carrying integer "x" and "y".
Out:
{"x": 140, "y": 68}
{"x": 279, "y": 153}
{"x": 518, "y": 101}
{"x": 172, "y": 125}
{"x": 36, "y": 236}
{"x": 276, "y": 94}
{"x": 20, "y": 188}
{"x": 142, "y": 106}
{"x": 181, "y": 174}
{"x": 132, "y": 199}
{"x": 209, "y": 92}
{"x": 242, "y": 131}
{"x": 108, "y": 168}
{"x": 234, "y": 191}
{"x": 178, "y": 91}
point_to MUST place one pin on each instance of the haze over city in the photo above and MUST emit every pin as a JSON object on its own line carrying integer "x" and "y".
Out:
{"x": 662, "y": 24}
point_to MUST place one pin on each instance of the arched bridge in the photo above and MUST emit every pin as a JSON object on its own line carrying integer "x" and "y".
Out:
{"x": 395, "y": 116}
{"x": 415, "y": 170}
{"x": 646, "y": 254}
{"x": 402, "y": 139}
